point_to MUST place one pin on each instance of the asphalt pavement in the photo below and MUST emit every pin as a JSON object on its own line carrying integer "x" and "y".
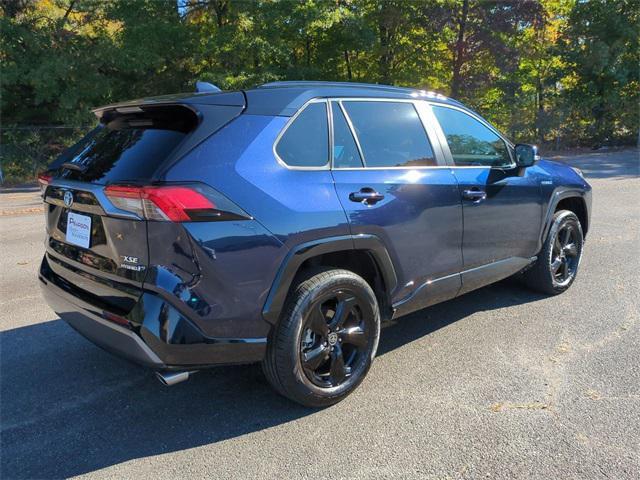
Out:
{"x": 500, "y": 383}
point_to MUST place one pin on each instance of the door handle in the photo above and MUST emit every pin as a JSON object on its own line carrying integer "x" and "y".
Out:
{"x": 476, "y": 196}
{"x": 366, "y": 195}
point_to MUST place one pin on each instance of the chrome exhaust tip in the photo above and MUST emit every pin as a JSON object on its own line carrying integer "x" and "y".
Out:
{"x": 171, "y": 378}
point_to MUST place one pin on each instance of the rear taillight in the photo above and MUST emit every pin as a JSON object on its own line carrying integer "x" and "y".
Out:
{"x": 158, "y": 203}
{"x": 44, "y": 179}
{"x": 174, "y": 203}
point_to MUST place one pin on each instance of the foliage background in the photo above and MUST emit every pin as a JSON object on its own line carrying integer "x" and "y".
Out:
{"x": 560, "y": 73}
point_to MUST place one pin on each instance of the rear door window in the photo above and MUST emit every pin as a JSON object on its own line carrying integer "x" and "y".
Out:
{"x": 305, "y": 142}
{"x": 391, "y": 134}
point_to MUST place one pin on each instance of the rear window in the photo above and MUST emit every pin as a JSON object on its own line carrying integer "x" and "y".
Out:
{"x": 127, "y": 147}
{"x": 305, "y": 143}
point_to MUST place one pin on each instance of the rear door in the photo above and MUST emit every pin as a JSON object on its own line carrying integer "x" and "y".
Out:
{"x": 391, "y": 181}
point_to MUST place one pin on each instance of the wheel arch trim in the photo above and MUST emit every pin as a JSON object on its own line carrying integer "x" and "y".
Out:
{"x": 300, "y": 253}
{"x": 562, "y": 194}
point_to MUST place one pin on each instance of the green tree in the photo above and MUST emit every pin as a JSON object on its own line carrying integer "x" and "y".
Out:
{"x": 559, "y": 72}
{"x": 602, "y": 81}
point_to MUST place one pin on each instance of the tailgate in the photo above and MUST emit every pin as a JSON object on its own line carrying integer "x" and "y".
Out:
{"x": 97, "y": 248}
{"x": 102, "y": 255}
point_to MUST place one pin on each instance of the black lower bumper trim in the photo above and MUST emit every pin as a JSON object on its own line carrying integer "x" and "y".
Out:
{"x": 110, "y": 336}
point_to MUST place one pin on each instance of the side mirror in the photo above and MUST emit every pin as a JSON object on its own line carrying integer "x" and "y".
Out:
{"x": 526, "y": 155}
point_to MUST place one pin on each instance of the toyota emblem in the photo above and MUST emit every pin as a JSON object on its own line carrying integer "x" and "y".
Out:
{"x": 68, "y": 199}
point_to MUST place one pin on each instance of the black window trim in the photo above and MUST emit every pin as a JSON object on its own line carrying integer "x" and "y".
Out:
{"x": 445, "y": 145}
{"x": 327, "y": 165}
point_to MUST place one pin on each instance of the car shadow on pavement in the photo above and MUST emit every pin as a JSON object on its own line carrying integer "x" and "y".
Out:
{"x": 68, "y": 408}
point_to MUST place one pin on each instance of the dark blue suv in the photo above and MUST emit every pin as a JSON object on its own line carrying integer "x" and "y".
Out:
{"x": 283, "y": 224}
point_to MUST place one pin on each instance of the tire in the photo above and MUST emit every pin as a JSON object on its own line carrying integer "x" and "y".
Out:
{"x": 559, "y": 252}
{"x": 326, "y": 339}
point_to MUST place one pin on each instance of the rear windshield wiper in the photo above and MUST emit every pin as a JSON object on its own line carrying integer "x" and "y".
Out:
{"x": 74, "y": 166}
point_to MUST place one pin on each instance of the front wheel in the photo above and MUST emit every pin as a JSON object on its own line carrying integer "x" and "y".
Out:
{"x": 557, "y": 264}
{"x": 326, "y": 340}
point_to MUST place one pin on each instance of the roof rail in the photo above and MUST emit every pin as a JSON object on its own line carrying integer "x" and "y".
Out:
{"x": 414, "y": 92}
{"x": 317, "y": 83}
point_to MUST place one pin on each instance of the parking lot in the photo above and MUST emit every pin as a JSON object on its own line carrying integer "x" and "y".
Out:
{"x": 500, "y": 383}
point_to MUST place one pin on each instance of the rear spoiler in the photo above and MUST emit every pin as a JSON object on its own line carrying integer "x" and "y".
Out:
{"x": 194, "y": 101}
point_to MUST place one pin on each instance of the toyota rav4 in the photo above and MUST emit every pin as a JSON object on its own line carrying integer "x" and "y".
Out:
{"x": 284, "y": 223}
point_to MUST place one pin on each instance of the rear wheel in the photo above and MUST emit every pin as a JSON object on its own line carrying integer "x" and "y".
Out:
{"x": 557, "y": 265}
{"x": 324, "y": 344}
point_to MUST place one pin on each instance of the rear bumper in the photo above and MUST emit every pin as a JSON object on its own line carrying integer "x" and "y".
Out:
{"x": 146, "y": 344}
{"x": 112, "y": 337}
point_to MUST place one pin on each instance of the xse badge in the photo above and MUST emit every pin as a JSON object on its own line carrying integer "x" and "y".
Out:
{"x": 131, "y": 263}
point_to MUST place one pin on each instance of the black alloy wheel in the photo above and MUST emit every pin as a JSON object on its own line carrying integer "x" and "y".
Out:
{"x": 334, "y": 341}
{"x": 326, "y": 339}
{"x": 557, "y": 263}
{"x": 565, "y": 254}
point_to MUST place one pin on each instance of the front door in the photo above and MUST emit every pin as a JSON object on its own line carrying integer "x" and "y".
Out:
{"x": 501, "y": 204}
{"x": 392, "y": 183}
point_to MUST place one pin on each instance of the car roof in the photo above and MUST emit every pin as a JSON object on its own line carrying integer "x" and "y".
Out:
{"x": 286, "y": 98}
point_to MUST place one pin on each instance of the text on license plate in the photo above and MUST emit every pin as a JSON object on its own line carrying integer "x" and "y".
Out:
{"x": 79, "y": 229}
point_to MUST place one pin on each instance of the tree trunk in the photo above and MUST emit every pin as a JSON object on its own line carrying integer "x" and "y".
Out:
{"x": 308, "y": 50}
{"x": 540, "y": 109}
{"x": 385, "y": 35}
{"x": 69, "y": 8}
{"x": 458, "y": 58}
{"x": 348, "y": 62}
{"x": 62, "y": 22}
{"x": 540, "y": 124}
{"x": 221, "y": 7}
